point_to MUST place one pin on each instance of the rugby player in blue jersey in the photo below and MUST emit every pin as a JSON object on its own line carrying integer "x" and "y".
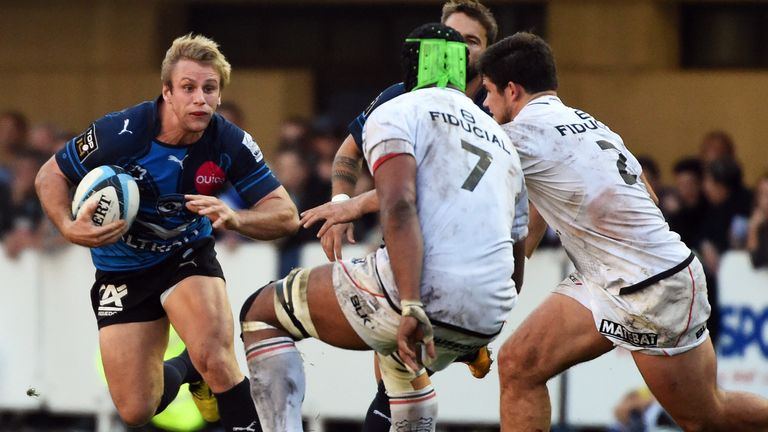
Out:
{"x": 163, "y": 269}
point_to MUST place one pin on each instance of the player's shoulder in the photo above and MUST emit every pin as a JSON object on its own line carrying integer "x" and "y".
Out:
{"x": 134, "y": 121}
{"x": 230, "y": 136}
{"x": 388, "y": 94}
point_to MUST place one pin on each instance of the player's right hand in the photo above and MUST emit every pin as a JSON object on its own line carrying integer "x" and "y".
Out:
{"x": 333, "y": 238}
{"x": 83, "y": 232}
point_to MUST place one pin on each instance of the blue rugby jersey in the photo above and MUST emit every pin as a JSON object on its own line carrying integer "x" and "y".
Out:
{"x": 165, "y": 173}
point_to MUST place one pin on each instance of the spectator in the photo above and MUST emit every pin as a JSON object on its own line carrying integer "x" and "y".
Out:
{"x": 638, "y": 411}
{"x": 716, "y": 144}
{"x": 686, "y": 206}
{"x": 730, "y": 203}
{"x": 292, "y": 170}
{"x": 13, "y": 136}
{"x": 232, "y": 112}
{"x": 294, "y": 131}
{"x": 20, "y": 210}
{"x": 757, "y": 238}
{"x": 43, "y": 138}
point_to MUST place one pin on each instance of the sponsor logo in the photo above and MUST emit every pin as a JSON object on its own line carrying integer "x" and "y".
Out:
{"x": 252, "y": 146}
{"x": 700, "y": 331}
{"x": 743, "y": 329}
{"x": 574, "y": 280}
{"x": 361, "y": 312}
{"x": 125, "y": 127}
{"x": 420, "y": 425}
{"x": 209, "y": 178}
{"x": 250, "y": 428}
{"x": 174, "y": 159}
{"x": 86, "y": 143}
{"x": 618, "y": 331}
{"x": 101, "y": 210}
{"x": 111, "y": 299}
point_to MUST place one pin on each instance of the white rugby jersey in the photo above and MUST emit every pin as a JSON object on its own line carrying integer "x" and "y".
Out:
{"x": 587, "y": 186}
{"x": 468, "y": 176}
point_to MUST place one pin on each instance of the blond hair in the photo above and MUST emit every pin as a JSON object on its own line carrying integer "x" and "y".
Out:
{"x": 196, "y": 48}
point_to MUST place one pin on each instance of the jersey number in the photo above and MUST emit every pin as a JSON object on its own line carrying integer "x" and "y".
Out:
{"x": 479, "y": 170}
{"x": 621, "y": 164}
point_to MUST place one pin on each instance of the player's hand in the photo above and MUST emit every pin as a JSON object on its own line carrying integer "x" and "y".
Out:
{"x": 414, "y": 332}
{"x": 83, "y": 232}
{"x": 333, "y": 213}
{"x": 333, "y": 238}
{"x": 220, "y": 214}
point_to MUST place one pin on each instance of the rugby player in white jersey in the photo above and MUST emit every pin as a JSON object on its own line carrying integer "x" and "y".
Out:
{"x": 447, "y": 179}
{"x": 636, "y": 284}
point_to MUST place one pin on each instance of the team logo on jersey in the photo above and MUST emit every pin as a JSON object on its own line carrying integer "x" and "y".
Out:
{"x": 86, "y": 143}
{"x": 618, "y": 331}
{"x": 209, "y": 178}
{"x": 252, "y": 146}
{"x": 170, "y": 205}
{"x": 111, "y": 299}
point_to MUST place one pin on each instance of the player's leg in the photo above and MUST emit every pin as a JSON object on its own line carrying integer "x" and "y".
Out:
{"x": 132, "y": 355}
{"x": 685, "y": 385}
{"x": 412, "y": 398}
{"x": 378, "y": 418}
{"x": 557, "y": 335}
{"x": 273, "y": 318}
{"x": 200, "y": 312}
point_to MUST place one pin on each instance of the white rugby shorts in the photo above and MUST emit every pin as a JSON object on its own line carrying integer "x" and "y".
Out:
{"x": 375, "y": 317}
{"x": 665, "y": 318}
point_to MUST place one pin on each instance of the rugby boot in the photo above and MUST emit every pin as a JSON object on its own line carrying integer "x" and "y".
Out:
{"x": 480, "y": 364}
{"x": 205, "y": 401}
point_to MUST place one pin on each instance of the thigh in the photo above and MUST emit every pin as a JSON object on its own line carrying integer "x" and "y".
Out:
{"x": 307, "y": 306}
{"x": 557, "y": 335}
{"x": 684, "y": 384}
{"x": 199, "y": 309}
{"x": 132, "y": 355}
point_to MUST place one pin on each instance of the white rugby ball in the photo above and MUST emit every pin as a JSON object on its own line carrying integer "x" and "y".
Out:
{"x": 115, "y": 191}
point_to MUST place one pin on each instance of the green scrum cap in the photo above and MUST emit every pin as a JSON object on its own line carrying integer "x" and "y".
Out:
{"x": 434, "y": 55}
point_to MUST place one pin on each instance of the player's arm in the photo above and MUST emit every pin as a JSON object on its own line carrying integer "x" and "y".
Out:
{"x": 651, "y": 192}
{"x": 272, "y": 217}
{"x": 395, "y": 181}
{"x": 52, "y": 188}
{"x": 537, "y": 226}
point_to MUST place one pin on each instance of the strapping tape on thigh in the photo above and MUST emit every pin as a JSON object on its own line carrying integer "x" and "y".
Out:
{"x": 398, "y": 378}
{"x": 252, "y": 326}
{"x": 291, "y": 305}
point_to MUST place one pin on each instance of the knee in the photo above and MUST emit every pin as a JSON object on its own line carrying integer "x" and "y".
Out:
{"x": 134, "y": 413}
{"x": 250, "y": 313}
{"x": 519, "y": 364}
{"x": 212, "y": 358}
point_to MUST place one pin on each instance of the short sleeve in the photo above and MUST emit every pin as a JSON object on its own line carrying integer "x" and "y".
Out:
{"x": 387, "y": 134}
{"x": 356, "y": 126}
{"x": 100, "y": 144}
{"x": 250, "y": 175}
{"x": 520, "y": 222}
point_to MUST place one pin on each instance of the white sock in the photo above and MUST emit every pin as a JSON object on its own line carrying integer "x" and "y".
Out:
{"x": 414, "y": 411}
{"x": 277, "y": 383}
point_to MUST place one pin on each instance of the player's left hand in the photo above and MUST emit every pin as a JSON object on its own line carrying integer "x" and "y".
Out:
{"x": 414, "y": 332}
{"x": 333, "y": 213}
{"x": 220, "y": 214}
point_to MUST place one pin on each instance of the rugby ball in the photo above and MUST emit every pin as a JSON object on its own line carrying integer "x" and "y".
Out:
{"x": 115, "y": 191}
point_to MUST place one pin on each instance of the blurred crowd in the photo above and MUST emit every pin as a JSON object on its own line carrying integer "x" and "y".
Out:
{"x": 706, "y": 201}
